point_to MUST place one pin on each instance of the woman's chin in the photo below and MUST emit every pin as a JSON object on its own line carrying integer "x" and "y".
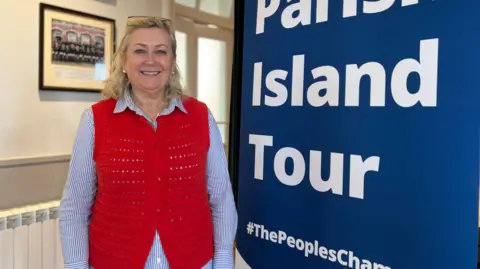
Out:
{"x": 151, "y": 87}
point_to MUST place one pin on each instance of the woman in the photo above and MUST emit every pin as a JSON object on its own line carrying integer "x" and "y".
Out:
{"x": 141, "y": 196}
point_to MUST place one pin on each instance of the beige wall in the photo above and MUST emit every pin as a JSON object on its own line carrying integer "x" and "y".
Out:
{"x": 37, "y": 127}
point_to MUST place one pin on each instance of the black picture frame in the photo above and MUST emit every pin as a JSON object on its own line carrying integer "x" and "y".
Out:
{"x": 75, "y": 49}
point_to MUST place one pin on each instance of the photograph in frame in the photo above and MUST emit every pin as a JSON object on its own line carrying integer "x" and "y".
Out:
{"x": 76, "y": 49}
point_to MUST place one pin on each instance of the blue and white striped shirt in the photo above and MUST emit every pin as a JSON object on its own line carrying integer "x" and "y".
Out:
{"x": 80, "y": 189}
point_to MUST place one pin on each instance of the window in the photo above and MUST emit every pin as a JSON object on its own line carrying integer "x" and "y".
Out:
{"x": 204, "y": 53}
{"x": 217, "y": 7}
{"x": 181, "y": 56}
{"x": 222, "y": 8}
{"x": 212, "y": 79}
{"x": 188, "y": 3}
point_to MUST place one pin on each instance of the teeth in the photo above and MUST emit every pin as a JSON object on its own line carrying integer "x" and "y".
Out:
{"x": 150, "y": 73}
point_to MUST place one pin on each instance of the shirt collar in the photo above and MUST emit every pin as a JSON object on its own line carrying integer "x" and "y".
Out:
{"x": 125, "y": 101}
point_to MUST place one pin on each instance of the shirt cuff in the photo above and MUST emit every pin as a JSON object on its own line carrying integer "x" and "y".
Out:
{"x": 77, "y": 265}
{"x": 223, "y": 259}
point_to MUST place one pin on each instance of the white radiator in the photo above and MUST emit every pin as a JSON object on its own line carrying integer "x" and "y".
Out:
{"x": 29, "y": 238}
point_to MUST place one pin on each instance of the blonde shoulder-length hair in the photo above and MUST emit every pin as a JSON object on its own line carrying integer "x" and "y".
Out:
{"x": 118, "y": 81}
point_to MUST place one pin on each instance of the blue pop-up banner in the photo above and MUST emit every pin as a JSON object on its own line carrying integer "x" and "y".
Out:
{"x": 359, "y": 134}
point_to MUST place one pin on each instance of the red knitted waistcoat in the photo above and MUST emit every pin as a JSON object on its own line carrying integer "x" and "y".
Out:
{"x": 149, "y": 181}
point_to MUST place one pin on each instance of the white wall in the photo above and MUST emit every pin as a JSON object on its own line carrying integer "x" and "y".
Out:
{"x": 36, "y": 124}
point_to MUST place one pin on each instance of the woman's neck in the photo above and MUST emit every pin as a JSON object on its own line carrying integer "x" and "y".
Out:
{"x": 151, "y": 104}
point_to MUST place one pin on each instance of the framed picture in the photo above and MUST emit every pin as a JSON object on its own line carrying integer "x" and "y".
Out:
{"x": 76, "y": 49}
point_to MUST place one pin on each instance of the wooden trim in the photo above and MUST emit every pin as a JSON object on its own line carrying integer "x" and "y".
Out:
{"x": 33, "y": 179}
{"x": 35, "y": 160}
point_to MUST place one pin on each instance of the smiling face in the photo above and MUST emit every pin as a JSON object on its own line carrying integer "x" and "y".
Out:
{"x": 149, "y": 59}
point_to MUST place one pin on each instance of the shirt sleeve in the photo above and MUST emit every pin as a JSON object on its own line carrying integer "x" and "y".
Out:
{"x": 222, "y": 202}
{"x": 78, "y": 197}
